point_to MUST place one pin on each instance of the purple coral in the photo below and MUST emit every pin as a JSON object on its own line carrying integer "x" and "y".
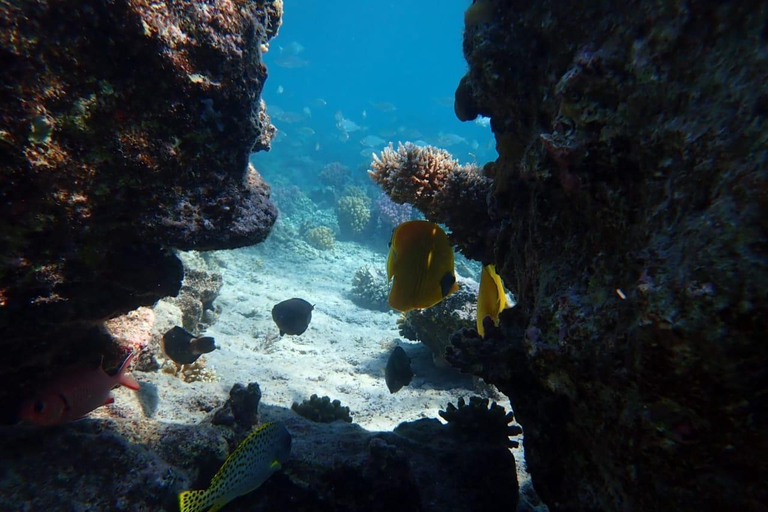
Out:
{"x": 389, "y": 214}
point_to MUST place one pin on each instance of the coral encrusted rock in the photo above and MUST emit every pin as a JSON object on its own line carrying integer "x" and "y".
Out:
{"x": 433, "y": 181}
{"x": 630, "y": 210}
{"x": 322, "y": 409}
{"x": 126, "y": 130}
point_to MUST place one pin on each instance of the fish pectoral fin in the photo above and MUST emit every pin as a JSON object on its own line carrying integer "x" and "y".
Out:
{"x": 275, "y": 466}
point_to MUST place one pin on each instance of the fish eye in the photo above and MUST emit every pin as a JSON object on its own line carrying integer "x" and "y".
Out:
{"x": 39, "y": 406}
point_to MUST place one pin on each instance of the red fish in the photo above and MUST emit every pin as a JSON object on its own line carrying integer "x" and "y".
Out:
{"x": 75, "y": 395}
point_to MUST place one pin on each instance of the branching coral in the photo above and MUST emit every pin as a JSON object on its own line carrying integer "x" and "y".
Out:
{"x": 322, "y": 410}
{"x": 354, "y": 214}
{"x": 370, "y": 288}
{"x": 433, "y": 181}
{"x": 320, "y": 237}
{"x": 389, "y": 214}
{"x": 477, "y": 421}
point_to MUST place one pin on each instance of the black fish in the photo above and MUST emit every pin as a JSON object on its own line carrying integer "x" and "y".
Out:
{"x": 184, "y": 347}
{"x": 398, "y": 372}
{"x": 292, "y": 316}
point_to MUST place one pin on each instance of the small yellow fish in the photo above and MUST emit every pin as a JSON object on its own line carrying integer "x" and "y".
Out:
{"x": 491, "y": 299}
{"x": 420, "y": 265}
{"x": 250, "y": 465}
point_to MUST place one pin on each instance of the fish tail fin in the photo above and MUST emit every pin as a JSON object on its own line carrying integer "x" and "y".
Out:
{"x": 194, "y": 501}
{"x": 125, "y": 379}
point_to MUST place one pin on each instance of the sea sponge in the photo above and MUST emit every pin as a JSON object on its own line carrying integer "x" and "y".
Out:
{"x": 320, "y": 237}
{"x": 433, "y": 181}
{"x": 476, "y": 421}
{"x": 354, "y": 214}
{"x": 370, "y": 288}
{"x": 322, "y": 410}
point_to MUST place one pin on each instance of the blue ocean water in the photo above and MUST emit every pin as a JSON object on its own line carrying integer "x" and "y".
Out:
{"x": 346, "y": 78}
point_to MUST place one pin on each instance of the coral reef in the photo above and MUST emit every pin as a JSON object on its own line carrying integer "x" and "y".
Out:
{"x": 434, "y": 326}
{"x": 433, "y": 181}
{"x": 370, "y": 288}
{"x": 291, "y": 200}
{"x": 320, "y": 237}
{"x": 476, "y": 420}
{"x": 335, "y": 175}
{"x": 143, "y": 465}
{"x": 102, "y": 172}
{"x": 389, "y": 214}
{"x": 322, "y": 409}
{"x": 354, "y": 213}
{"x": 241, "y": 408}
{"x": 195, "y": 372}
{"x": 195, "y": 299}
{"x": 628, "y": 217}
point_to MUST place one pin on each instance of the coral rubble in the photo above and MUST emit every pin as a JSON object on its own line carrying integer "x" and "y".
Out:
{"x": 628, "y": 216}
{"x": 127, "y": 128}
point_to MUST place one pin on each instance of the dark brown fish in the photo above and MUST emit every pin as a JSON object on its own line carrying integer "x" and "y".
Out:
{"x": 184, "y": 347}
{"x": 398, "y": 372}
{"x": 292, "y": 316}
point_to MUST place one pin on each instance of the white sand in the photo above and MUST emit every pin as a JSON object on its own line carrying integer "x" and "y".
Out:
{"x": 343, "y": 352}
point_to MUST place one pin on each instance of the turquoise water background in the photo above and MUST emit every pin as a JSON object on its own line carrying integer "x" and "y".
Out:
{"x": 390, "y": 68}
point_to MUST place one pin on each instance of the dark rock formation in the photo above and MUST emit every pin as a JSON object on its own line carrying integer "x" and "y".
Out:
{"x": 241, "y": 408}
{"x": 195, "y": 299}
{"x": 630, "y": 197}
{"x": 126, "y": 129}
{"x": 322, "y": 409}
{"x": 434, "y": 326}
{"x": 116, "y": 464}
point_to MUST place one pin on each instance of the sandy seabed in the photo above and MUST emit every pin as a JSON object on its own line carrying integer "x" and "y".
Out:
{"x": 342, "y": 354}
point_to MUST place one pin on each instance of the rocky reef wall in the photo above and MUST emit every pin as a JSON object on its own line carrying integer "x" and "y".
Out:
{"x": 125, "y": 130}
{"x": 629, "y": 213}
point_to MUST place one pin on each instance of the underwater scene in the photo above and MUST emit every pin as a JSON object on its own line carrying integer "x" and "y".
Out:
{"x": 459, "y": 255}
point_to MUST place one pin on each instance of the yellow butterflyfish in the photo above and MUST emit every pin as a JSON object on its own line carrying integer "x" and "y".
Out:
{"x": 420, "y": 266}
{"x": 491, "y": 298}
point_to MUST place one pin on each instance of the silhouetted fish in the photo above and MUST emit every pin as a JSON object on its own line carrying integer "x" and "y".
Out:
{"x": 184, "y": 347}
{"x": 292, "y": 316}
{"x": 398, "y": 372}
